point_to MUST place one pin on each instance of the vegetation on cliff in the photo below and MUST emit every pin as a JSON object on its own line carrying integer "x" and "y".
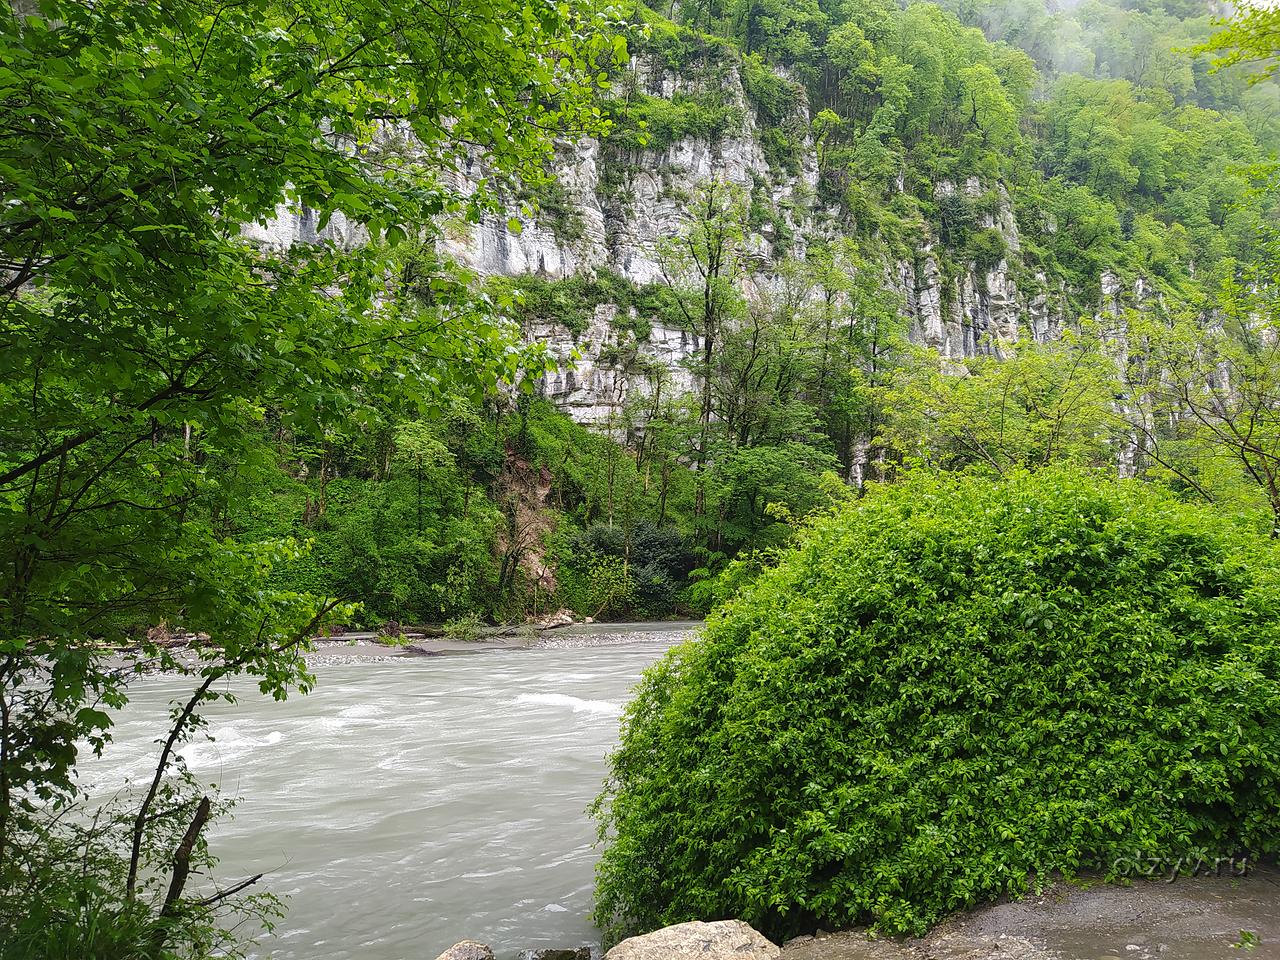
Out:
{"x": 1124, "y": 145}
{"x": 1102, "y": 162}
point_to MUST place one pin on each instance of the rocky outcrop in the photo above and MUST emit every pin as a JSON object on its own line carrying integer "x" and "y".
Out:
{"x": 563, "y": 617}
{"x": 1197, "y": 917}
{"x": 626, "y": 201}
{"x": 718, "y": 940}
{"x": 539, "y": 247}
{"x": 467, "y": 950}
{"x": 294, "y": 223}
{"x": 613, "y": 367}
{"x": 616, "y": 205}
{"x": 629, "y": 201}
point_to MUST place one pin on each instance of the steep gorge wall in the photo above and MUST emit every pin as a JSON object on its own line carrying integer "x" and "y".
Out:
{"x": 616, "y": 204}
{"x": 626, "y": 201}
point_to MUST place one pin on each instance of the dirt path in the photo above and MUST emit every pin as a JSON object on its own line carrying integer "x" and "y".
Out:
{"x": 1189, "y": 919}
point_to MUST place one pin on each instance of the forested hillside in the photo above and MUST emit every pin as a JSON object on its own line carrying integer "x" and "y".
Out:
{"x": 745, "y": 280}
{"x": 842, "y": 319}
{"x": 802, "y": 221}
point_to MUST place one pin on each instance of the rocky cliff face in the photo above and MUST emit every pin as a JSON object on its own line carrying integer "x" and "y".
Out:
{"x": 613, "y": 368}
{"x": 624, "y": 202}
{"x": 628, "y": 200}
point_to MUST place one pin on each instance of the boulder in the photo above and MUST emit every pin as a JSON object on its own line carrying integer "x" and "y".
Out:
{"x": 467, "y": 950}
{"x": 718, "y": 940}
{"x": 561, "y": 618}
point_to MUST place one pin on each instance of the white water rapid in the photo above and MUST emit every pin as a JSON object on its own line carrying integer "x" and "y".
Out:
{"x": 407, "y": 804}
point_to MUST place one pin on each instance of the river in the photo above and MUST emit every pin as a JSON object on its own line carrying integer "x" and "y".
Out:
{"x": 404, "y": 805}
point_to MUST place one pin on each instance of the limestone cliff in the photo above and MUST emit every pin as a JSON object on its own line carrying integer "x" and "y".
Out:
{"x": 626, "y": 200}
{"x": 617, "y": 202}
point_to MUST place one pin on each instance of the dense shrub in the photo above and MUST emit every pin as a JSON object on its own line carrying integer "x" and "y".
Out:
{"x": 946, "y": 692}
{"x": 555, "y": 208}
{"x": 406, "y": 552}
{"x": 656, "y": 123}
{"x": 595, "y": 585}
{"x": 572, "y": 301}
{"x": 611, "y": 572}
{"x": 62, "y": 888}
{"x": 367, "y": 545}
{"x": 775, "y": 98}
{"x": 987, "y": 248}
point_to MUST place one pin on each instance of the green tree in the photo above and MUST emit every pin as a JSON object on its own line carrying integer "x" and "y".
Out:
{"x": 756, "y": 491}
{"x": 417, "y": 444}
{"x": 144, "y": 339}
{"x": 863, "y": 333}
{"x": 702, "y": 267}
{"x": 1251, "y": 36}
{"x": 765, "y": 364}
{"x": 1206, "y": 407}
{"x": 1038, "y": 405}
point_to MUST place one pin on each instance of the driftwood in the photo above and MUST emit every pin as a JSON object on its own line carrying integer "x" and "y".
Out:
{"x": 182, "y": 871}
{"x": 182, "y": 858}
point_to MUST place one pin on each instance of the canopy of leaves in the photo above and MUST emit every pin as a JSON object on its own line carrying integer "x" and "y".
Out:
{"x": 1035, "y": 405}
{"x": 948, "y": 690}
{"x": 148, "y": 347}
{"x": 144, "y": 339}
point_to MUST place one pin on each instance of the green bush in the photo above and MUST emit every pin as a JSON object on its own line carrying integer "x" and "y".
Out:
{"x": 566, "y": 301}
{"x": 656, "y": 123}
{"x": 611, "y": 572}
{"x": 987, "y": 248}
{"x": 777, "y": 102}
{"x": 596, "y": 586}
{"x": 555, "y": 208}
{"x": 62, "y": 888}
{"x": 677, "y": 49}
{"x": 950, "y": 691}
{"x": 466, "y": 628}
{"x": 572, "y": 301}
{"x": 775, "y": 98}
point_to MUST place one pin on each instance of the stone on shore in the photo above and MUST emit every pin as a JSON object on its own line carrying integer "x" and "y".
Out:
{"x": 467, "y": 950}
{"x": 561, "y": 618}
{"x": 717, "y": 940}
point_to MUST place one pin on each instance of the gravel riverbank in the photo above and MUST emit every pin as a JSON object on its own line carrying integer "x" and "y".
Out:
{"x": 365, "y": 646}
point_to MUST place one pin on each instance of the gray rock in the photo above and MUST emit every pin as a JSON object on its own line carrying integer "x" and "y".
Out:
{"x": 627, "y": 202}
{"x": 467, "y": 950}
{"x": 422, "y": 650}
{"x": 1197, "y": 917}
{"x": 561, "y": 618}
{"x": 718, "y": 940}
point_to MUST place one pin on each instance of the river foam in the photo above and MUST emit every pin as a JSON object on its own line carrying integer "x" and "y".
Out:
{"x": 601, "y": 708}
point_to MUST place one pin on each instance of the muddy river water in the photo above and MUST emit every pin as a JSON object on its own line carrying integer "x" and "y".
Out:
{"x": 407, "y": 804}
{"x": 411, "y": 802}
